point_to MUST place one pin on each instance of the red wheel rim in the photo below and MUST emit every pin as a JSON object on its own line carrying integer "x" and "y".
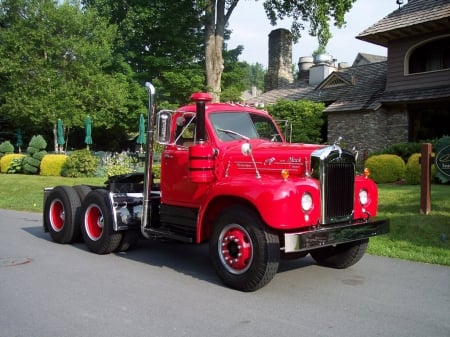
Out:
{"x": 94, "y": 223}
{"x": 57, "y": 215}
{"x": 235, "y": 249}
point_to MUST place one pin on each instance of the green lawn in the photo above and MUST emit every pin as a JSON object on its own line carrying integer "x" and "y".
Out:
{"x": 413, "y": 236}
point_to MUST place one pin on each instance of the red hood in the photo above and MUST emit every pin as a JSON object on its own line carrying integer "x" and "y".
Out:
{"x": 270, "y": 157}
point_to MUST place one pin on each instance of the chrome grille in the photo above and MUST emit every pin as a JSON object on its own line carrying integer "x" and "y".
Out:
{"x": 335, "y": 169}
{"x": 339, "y": 190}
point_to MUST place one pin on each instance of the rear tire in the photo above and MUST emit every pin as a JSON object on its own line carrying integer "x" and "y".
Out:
{"x": 244, "y": 253}
{"x": 129, "y": 240}
{"x": 62, "y": 210}
{"x": 340, "y": 256}
{"x": 97, "y": 223}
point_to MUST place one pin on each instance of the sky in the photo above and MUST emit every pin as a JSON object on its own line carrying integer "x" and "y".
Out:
{"x": 250, "y": 28}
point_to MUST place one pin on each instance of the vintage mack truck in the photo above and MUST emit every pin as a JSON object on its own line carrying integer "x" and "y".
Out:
{"x": 228, "y": 177}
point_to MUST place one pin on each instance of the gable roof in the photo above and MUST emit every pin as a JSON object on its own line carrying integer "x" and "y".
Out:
{"x": 416, "y": 17}
{"x": 349, "y": 89}
{"x": 364, "y": 58}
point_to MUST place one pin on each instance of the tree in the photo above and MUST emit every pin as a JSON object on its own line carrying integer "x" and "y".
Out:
{"x": 305, "y": 118}
{"x": 56, "y": 61}
{"x": 162, "y": 41}
{"x": 218, "y": 12}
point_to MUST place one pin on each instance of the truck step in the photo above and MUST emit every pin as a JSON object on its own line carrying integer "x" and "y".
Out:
{"x": 168, "y": 234}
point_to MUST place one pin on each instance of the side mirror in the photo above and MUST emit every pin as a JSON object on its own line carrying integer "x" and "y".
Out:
{"x": 163, "y": 122}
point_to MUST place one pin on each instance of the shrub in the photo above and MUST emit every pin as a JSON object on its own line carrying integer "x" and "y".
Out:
{"x": 36, "y": 151}
{"x": 413, "y": 170}
{"x": 6, "y": 148}
{"x": 116, "y": 164}
{"x": 386, "y": 168}
{"x": 7, "y": 159}
{"x": 52, "y": 164}
{"x": 80, "y": 163}
{"x": 16, "y": 165}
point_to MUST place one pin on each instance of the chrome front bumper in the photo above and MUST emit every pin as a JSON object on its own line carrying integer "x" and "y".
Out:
{"x": 332, "y": 235}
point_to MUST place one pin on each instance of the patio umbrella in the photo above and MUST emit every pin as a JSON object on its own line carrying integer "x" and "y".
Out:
{"x": 60, "y": 134}
{"x": 141, "y": 137}
{"x": 88, "y": 131}
{"x": 19, "y": 142}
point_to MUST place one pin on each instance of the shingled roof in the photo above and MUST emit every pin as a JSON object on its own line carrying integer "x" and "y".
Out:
{"x": 416, "y": 17}
{"x": 349, "y": 89}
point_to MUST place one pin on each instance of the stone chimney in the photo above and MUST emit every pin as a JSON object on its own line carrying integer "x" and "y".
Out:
{"x": 280, "y": 60}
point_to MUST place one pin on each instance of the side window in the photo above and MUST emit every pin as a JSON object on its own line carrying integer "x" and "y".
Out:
{"x": 185, "y": 132}
{"x": 431, "y": 56}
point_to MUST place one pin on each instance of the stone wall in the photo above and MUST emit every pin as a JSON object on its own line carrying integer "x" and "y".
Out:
{"x": 370, "y": 130}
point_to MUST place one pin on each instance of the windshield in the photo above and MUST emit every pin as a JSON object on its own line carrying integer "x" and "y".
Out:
{"x": 231, "y": 126}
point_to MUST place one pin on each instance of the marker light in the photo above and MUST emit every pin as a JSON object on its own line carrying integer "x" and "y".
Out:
{"x": 284, "y": 174}
{"x": 366, "y": 172}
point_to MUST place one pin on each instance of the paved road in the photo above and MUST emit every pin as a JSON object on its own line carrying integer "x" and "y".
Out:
{"x": 170, "y": 289}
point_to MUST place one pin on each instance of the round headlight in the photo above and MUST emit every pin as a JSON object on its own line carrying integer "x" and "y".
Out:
{"x": 363, "y": 197}
{"x": 307, "y": 202}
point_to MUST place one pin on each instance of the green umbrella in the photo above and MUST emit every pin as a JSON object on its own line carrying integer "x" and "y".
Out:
{"x": 88, "y": 131}
{"x": 60, "y": 132}
{"x": 141, "y": 137}
{"x": 19, "y": 142}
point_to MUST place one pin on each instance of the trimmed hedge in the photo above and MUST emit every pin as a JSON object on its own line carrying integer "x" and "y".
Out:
{"x": 413, "y": 171}
{"x": 7, "y": 159}
{"x": 386, "y": 168}
{"x": 52, "y": 164}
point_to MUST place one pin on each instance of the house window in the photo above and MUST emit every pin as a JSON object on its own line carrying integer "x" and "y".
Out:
{"x": 431, "y": 56}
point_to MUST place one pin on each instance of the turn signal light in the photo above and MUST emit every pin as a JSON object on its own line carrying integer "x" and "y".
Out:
{"x": 284, "y": 174}
{"x": 366, "y": 172}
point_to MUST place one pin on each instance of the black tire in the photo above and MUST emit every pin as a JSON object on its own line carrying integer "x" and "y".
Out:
{"x": 97, "y": 223}
{"x": 244, "y": 253}
{"x": 340, "y": 256}
{"x": 82, "y": 191}
{"x": 62, "y": 208}
{"x": 129, "y": 240}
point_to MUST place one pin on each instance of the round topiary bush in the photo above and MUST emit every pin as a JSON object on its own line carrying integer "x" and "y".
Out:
{"x": 386, "y": 168}
{"x": 5, "y": 148}
{"x": 52, "y": 164}
{"x": 413, "y": 170}
{"x": 36, "y": 151}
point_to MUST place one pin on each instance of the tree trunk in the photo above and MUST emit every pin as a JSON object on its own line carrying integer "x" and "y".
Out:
{"x": 216, "y": 19}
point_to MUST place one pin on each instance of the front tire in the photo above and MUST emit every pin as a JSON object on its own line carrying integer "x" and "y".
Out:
{"x": 61, "y": 213}
{"x": 340, "y": 256}
{"x": 97, "y": 223}
{"x": 244, "y": 253}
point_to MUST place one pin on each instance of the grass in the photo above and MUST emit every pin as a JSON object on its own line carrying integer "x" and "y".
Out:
{"x": 413, "y": 236}
{"x": 25, "y": 192}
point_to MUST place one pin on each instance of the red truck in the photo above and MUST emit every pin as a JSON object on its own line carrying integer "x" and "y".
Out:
{"x": 228, "y": 177}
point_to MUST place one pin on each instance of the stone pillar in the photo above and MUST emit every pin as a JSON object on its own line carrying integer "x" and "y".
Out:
{"x": 279, "y": 72}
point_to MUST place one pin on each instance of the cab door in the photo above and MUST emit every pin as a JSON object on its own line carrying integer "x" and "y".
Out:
{"x": 176, "y": 187}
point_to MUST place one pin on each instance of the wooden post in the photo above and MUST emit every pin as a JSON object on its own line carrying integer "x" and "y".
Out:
{"x": 425, "y": 181}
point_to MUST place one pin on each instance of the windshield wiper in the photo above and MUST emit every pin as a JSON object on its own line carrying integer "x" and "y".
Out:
{"x": 231, "y": 132}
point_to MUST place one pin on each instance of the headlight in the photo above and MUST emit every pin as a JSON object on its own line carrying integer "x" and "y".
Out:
{"x": 307, "y": 202}
{"x": 363, "y": 197}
